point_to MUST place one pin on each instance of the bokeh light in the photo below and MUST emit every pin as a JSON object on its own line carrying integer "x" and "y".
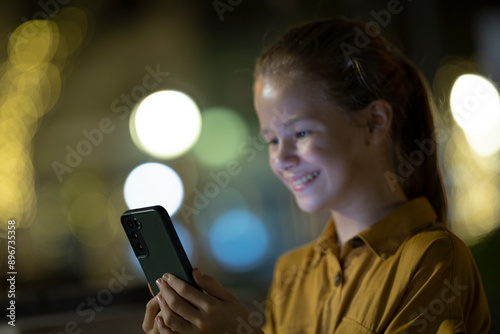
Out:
{"x": 74, "y": 27}
{"x": 206, "y": 208}
{"x": 238, "y": 240}
{"x": 32, "y": 43}
{"x": 474, "y": 217}
{"x": 166, "y": 124}
{"x": 474, "y": 196}
{"x": 153, "y": 183}
{"x": 30, "y": 81}
{"x": 222, "y": 134}
{"x": 475, "y": 104}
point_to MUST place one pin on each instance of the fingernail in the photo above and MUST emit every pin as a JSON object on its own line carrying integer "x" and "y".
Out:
{"x": 166, "y": 277}
{"x": 159, "y": 298}
{"x": 200, "y": 273}
{"x": 158, "y": 282}
{"x": 158, "y": 319}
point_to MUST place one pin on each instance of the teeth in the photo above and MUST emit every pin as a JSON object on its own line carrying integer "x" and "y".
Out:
{"x": 305, "y": 178}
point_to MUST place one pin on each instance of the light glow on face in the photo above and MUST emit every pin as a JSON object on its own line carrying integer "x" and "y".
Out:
{"x": 313, "y": 149}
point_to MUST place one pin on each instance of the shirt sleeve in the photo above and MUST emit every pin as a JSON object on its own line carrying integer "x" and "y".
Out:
{"x": 445, "y": 294}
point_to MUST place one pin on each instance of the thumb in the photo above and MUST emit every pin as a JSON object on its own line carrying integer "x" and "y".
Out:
{"x": 211, "y": 286}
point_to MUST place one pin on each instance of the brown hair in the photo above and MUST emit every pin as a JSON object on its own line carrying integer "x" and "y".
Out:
{"x": 355, "y": 66}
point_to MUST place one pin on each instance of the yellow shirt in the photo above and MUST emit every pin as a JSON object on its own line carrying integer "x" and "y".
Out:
{"x": 406, "y": 273}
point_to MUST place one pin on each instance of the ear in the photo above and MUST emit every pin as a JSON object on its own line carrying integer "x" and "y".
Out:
{"x": 378, "y": 120}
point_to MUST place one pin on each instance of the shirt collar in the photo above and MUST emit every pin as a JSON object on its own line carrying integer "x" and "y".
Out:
{"x": 385, "y": 236}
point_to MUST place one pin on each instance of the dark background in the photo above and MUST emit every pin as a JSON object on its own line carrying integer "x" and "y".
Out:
{"x": 211, "y": 57}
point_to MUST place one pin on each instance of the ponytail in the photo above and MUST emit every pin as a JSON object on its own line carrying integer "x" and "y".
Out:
{"x": 418, "y": 144}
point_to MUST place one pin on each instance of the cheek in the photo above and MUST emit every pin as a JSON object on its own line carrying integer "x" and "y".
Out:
{"x": 272, "y": 163}
{"x": 314, "y": 153}
{"x": 330, "y": 158}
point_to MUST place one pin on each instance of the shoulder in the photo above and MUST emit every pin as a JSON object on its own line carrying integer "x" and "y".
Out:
{"x": 438, "y": 248}
{"x": 437, "y": 239}
{"x": 441, "y": 268}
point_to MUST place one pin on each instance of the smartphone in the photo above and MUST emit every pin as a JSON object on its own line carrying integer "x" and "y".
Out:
{"x": 156, "y": 244}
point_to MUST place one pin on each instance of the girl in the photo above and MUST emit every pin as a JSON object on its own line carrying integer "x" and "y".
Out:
{"x": 350, "y": 129}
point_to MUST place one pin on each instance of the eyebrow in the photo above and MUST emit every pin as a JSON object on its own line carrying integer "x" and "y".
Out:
{"x": 289, "y": 123}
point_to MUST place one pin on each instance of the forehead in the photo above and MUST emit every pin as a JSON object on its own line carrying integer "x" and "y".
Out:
{"x": 279, "y": 101}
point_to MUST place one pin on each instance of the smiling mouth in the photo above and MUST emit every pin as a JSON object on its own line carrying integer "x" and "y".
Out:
{"x": 303, "y": 181}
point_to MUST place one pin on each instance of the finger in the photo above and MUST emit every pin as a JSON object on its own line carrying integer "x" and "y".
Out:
{"x": 169, "y": 319}
{"x": 161, "y": 327}
{"x": 155, "y": 329}
{"x": 193, "y": 298}
{"x": 178, "y": 303}
{"x": 211, "y": 286}
{"x": 152, "y": 309}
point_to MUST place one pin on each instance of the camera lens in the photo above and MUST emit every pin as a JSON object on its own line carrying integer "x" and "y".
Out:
{"x": 139, "y": 245}
{"x": 129, "y": 224}
{"x": 135, "y": 235}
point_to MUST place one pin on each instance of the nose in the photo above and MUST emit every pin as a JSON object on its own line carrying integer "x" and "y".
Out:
{"x": 286, "y": 157}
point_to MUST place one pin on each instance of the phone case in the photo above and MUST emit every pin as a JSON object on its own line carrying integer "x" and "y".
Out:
{"x": 162, "y": 251}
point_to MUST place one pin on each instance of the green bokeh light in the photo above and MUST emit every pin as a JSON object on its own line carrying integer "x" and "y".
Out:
{"x": 222, "y": 134}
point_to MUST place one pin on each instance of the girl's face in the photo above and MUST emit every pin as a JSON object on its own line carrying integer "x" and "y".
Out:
{"x": 320, "y": 156}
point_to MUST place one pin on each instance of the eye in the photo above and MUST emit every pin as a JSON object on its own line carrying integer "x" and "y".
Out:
{"x": 273, "y": 141}
{"x": 302, "y": 134}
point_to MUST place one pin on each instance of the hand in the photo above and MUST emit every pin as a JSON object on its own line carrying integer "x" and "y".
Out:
{"x": 181, "y": 308}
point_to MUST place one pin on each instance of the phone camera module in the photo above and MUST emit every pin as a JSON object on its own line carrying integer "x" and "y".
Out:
{"x": 140, "y": 246}
{"x": 138, "y": 224}
{"x": 130, "y": 224}
{"x": 135, "y": 235}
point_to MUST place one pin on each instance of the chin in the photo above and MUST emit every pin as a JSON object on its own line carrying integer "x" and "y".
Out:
{"x": 308, "y": 205}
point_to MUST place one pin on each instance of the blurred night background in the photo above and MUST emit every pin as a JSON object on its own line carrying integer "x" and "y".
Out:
{"x": 77, "y": 150}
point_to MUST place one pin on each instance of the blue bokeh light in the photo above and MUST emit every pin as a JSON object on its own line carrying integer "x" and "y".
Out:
{"x": 238, "y": 240}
